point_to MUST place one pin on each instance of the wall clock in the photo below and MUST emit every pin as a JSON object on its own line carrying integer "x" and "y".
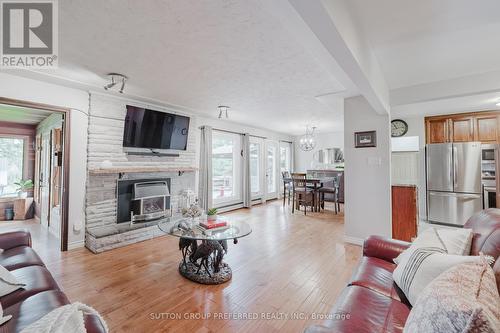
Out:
{"x": 398, "y": 128}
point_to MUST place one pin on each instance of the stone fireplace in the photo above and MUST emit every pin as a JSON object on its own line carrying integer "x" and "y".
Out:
{"x": 112, "y": 200}
{"x": 113, "y": 175}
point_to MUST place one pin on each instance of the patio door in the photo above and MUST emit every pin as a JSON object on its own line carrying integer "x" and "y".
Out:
{"x": 257, "y": 167}
{"x": 272, "y": 177}
{"x": 226, "y": 169}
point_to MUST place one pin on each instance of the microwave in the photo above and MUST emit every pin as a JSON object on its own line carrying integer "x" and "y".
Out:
{"x": 488, "y": 153}
{"x": 488, "y": 161}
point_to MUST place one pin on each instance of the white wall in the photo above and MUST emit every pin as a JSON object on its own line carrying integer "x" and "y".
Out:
{"x": 367, "y": 173}
{"x": 20, "y": 88}
{"x": 304, "y": 159}
{"x": 416, "y": 127}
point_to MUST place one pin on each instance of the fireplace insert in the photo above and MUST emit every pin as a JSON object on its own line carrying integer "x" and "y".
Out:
{"x": 149, "y": 201}
{"x": 141, "y": 200}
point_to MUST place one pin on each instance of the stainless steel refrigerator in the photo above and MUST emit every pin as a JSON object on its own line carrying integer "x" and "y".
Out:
{"x": 454, "y": 190}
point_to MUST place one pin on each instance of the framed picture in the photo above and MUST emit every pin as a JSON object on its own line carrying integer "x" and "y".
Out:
{"x": 365, "y": 139}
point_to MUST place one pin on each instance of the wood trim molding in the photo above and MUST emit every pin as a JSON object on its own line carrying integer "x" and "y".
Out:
{"x": 66, "y": 165}
{"x": 32, "y": 105}
{"x": 463, "y": 114}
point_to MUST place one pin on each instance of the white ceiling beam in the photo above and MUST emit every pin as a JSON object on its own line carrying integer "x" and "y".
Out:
{"x": 335, "y": 28}
{"x": 286, "y": 14}
{"x": 478, "y": 84}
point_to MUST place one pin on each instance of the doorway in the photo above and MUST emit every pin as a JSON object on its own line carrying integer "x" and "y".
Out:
{"x": 47, "y": 163}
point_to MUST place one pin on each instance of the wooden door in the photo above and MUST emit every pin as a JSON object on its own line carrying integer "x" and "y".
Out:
{"x": 462, "y": 129}
{"x": 404, "y": 212}
{"x": 487, "y": 128}
{"x": 45, "y": 178}
{"x": 437, "y": 130}
{"x": 56, "y": 166}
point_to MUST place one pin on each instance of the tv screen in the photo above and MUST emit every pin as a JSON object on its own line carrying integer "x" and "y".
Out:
{"x": 146, "y": 128}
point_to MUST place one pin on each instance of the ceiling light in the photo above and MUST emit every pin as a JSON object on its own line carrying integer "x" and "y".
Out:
{"x": 498, "y": 104}
{"x": 110, "y": 85}
{"x": 115, "y": 79}
{"x": 223, "y": 109}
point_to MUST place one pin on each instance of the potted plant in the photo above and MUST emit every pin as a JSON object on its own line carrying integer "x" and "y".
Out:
{"x": 212, "y": 214}
{"x": 23, "y": 186}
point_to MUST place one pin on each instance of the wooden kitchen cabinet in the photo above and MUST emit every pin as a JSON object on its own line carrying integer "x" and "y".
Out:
{"x": 437, "y": 130}
{"x": 404, "y": 212}
{"x": 464, "y": 127}
{"x": 487, "y": 128}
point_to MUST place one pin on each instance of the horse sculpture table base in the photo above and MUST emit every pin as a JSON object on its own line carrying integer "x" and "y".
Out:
{"x": 202, "y": 262}
{"x": 190, "y": 272}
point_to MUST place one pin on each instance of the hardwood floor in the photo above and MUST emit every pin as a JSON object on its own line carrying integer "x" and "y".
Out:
{"x": 289, "y": 265}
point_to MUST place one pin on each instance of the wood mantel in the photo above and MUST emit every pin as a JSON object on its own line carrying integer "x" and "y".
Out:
{"x": 137, "y": 169}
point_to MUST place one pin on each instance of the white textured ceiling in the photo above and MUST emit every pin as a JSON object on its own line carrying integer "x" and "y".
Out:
{"x": 199, "y": 54}
{"x": 425, "y": 41}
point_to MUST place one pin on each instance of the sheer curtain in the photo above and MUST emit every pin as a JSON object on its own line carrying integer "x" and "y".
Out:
{"x": 205, "y": 181}
{"x": 247, "y": 191}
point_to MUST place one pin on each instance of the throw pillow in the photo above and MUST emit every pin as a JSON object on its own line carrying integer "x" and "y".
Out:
{"x": 463, "y": 299}
{"x": 8, "y": 282}
{"x": 452, "y": 241}
{"x": 423, "y": 265}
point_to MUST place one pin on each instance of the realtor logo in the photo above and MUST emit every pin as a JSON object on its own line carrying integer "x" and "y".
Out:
{"x": 29, "y": 33}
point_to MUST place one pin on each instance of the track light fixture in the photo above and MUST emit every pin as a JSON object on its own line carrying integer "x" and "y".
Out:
{"x": 115, "y": 79}
{"x": 223, "y": 109}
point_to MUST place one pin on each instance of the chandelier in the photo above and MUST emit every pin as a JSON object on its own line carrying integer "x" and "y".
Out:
{"x": 307, "y": 142}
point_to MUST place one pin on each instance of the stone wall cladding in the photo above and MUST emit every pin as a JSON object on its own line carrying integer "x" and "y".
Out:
{"x": 106, "y": 123}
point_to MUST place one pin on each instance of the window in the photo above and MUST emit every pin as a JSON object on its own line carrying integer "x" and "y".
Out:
{"x": 285, "y": 156}
{"x": 12, "y": 151}
{"x": 226, "y": 168}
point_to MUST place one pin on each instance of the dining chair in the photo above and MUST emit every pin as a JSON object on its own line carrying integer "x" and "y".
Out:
{"x": 327, "y": 190}
{"x": 287, "y": 186}
{"x": 301, "y": 195}
{"x": 299, "y": 175}
{"x": 315, "y": 185}
{"x": 332, "y": 189}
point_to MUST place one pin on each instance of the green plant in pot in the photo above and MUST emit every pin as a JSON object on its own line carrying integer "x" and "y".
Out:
{"x": 212, "y": 214}
{"x": 23, "y": 186}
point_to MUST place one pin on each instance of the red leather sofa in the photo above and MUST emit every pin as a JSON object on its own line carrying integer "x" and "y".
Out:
{"x": 372, "y": 303}
{"x": 41, "y": 293}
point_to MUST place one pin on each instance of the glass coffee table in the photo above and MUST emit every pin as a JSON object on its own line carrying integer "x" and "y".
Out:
{"x": 203, "y": 250}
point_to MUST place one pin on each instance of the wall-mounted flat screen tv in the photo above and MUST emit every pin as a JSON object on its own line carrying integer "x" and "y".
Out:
{"x": 151, "y": 129}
